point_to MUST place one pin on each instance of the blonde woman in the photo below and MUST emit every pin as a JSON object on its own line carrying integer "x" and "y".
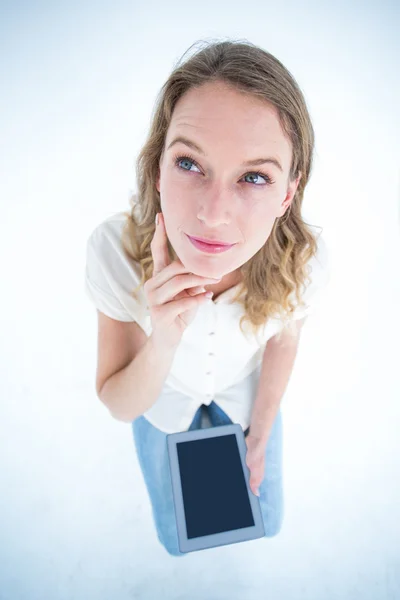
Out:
{"x": 227, "y": 159}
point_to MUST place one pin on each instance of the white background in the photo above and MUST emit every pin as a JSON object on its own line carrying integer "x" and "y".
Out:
{"x": 79, "y": 82}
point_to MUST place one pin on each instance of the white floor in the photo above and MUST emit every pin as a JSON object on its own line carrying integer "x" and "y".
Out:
{"x": 80, "y": 83}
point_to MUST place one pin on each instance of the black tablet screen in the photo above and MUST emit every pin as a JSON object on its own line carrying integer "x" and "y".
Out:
{"x": 215, "y": 496}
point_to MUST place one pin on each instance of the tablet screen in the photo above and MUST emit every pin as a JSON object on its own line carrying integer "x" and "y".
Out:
{"x": 215, "y": 496}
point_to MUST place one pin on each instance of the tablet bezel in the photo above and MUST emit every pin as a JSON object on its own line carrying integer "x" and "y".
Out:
{"x": 226, "y": 537}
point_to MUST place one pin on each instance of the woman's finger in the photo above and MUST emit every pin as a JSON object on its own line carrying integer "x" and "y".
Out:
{"x": 256, "y": 477}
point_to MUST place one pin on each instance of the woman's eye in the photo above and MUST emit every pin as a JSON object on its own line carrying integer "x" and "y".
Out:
{"x": 258, "y": 175}
{"x": 255, "y": 174}
{"x": 184, "y": 159}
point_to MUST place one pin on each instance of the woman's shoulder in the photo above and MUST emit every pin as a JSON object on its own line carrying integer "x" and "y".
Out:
{"x": 320, "y": 262}
{"x": 319, "y": 272}
{"x": 111, "y": 274}
{"x": 110, "y": 228}
{"x": 106, "y": 241}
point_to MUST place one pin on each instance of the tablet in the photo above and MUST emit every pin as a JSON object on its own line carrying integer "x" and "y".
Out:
{"x": 214, "y": 505}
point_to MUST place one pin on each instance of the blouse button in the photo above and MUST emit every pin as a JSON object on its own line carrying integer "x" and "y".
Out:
{"x": 211, "y": 354}
{"x": 208, "y": 373}
{"x": 211, "y": 333}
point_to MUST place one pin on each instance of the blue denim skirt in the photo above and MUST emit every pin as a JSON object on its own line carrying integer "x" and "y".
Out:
{"x": 151, "y": 447}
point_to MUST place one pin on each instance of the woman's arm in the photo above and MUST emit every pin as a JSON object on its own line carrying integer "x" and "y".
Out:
{"x": 277, "y": 365}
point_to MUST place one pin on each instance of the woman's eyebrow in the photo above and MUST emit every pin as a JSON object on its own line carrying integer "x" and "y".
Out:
{"x": 246, "y": 163}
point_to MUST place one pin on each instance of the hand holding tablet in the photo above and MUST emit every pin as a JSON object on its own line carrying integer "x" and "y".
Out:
{"x": 214, "y": 504}
{"x": 255, "y": 460}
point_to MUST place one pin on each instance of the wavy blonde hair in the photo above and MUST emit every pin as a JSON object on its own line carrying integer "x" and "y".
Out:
{"x": 279, "y": 268}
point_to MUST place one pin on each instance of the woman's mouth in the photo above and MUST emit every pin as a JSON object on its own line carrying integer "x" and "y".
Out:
{"x": 209, "y": 248}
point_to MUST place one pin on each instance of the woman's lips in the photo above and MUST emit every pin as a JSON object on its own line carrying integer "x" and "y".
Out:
{"x": 209, "y": 248}
{"x": 212, "y": 242}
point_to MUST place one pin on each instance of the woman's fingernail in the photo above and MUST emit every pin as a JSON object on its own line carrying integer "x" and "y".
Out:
{"x": 157, "y": 219}
{"x": 258, "y": 493}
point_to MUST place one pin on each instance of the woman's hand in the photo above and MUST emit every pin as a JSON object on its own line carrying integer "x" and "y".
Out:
{"x": 255, "y": 460}
{"x": 173, "y": 294}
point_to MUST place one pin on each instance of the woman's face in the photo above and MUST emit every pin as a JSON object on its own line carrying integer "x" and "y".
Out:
{"x": 213, "y": 195}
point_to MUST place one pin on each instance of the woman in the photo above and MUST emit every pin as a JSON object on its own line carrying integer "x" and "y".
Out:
{"x": 227, "y": 159}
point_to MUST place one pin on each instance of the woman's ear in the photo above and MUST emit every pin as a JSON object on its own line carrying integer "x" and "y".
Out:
{"x": 291, "y": 191}
{"x": 293, "y": 185}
